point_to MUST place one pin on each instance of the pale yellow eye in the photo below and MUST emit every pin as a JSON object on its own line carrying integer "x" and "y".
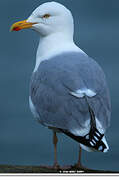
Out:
{"x": 46, "y": 16}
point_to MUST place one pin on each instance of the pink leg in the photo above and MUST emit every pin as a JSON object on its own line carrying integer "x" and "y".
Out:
{"x": 79, "y": 164}
{"x": 55, "y": 141}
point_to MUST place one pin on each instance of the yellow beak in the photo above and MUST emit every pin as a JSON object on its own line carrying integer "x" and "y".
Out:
{"x": 21, "y": 25}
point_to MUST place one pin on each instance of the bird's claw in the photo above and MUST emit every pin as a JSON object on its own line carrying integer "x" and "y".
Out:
{"x": 79, "y": 166}
{"x": 56, "y": 166}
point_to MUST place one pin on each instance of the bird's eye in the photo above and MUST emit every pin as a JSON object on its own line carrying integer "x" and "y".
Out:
{"x": 46, "y": 16}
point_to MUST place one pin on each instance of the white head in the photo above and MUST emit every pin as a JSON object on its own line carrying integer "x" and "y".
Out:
{"x": 48, "y": 18}
{"x": 54, "y": 23}
{"x": 52, "y": 17}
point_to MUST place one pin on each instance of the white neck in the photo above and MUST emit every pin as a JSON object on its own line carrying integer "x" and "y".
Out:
{"x": 53, "y": 45}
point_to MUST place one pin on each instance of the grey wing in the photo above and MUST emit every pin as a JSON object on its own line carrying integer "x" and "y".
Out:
{"x": 90, "y": 82}
{"x": 51, "y": 90}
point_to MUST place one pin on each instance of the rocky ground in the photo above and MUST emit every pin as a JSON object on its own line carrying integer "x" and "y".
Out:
{"x": 46, "y": 169}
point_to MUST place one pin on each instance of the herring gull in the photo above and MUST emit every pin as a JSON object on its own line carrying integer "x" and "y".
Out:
{"x": 68, "y": 89}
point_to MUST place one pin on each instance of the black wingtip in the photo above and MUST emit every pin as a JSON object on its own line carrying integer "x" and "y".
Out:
{"x": 91, "y": 140}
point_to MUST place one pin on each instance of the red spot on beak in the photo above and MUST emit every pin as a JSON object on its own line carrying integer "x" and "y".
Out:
{"x": 16, "y": 29}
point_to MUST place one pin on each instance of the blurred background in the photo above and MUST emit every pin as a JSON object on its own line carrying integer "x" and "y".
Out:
{"x": 22, "y": 140}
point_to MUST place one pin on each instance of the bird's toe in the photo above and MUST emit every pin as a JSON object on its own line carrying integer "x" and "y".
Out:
{"x": 56, "y": 166}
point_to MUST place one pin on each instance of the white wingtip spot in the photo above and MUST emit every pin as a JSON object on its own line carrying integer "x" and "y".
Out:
{"x": 100, "y": 148}
{"x": 106, "y": 150}
{"x": 105, "y": 142}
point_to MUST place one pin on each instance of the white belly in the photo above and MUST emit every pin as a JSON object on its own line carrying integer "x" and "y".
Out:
{"x": 33, "y": 109}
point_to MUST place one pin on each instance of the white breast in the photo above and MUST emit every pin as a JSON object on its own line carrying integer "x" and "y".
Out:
{"x": 33, "y": 109}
